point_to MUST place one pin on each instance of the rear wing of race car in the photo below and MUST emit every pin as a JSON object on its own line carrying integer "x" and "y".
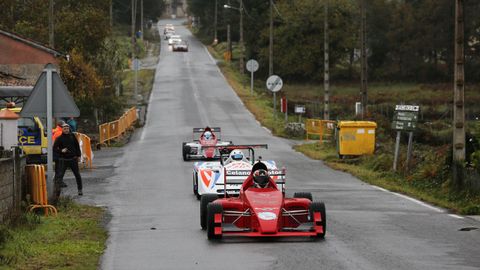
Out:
{"x": 216, "y": 130}
{"x": 226, "y": 149}
{"x": 279, "y": 175}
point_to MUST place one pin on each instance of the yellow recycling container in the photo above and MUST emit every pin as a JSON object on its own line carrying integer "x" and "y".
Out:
{"x": 355, "y": 138}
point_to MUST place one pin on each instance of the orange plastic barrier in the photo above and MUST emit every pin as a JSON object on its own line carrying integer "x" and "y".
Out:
{"x": 115, "y": 129}
{"x": 38, "y": 189}
{"x": 86, "y": 148}
{"x": 321, "y": 128}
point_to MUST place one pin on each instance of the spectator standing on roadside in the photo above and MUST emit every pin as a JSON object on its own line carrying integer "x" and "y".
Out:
{"x": 68, "y": 150}
{"x": 57, "y": 131}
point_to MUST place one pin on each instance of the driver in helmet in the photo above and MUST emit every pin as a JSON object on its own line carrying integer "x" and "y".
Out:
{"x": 208, "y": 135}
{"x": 236, "y": 155}
{"x": 261, "y": 178}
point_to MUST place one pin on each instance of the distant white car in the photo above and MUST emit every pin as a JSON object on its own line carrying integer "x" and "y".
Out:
{"x": 180, "y": 46}
{"x": 169, "y": 34}
{"x": 174, "y": 39}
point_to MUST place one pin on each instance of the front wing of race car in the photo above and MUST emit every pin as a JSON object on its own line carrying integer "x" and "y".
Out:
{"x": 231, "y": 220}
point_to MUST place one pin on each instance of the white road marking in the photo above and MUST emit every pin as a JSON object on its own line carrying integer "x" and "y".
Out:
{"x": 209, "y": 55}
{"x": 411, "y": 199}
{"x": 456, "y": 216}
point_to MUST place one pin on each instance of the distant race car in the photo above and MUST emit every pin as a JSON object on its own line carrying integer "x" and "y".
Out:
{"x": 203, "y": 147}
{"x": 169, "y": 33}
{"x": 262, "y": 210}
{"x": 168, "y": 27}
{"x": 180, "y": 46}
{"x": 234, "y": 165}
{"x": 174, "y": 39}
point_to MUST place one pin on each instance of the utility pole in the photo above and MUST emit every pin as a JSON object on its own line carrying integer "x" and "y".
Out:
{"x": 141, "y": 19}
{"x": 270, "y": 53}
{"x": 111, "y": 14}
{"x": 229, "y": 37}
{"x": 133, "y": 29}
{"x": 458, "y": 90}
{"x": 51, "y": 35}
{"x": 364, "y": 74}
{"x": 326, "y": 75}
{"x": 215, "y": 36}
{"x": 242, "y": 45}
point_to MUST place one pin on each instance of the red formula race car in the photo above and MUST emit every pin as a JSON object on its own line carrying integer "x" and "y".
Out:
{"x": 261, "y": 210}
{"x": 205, "y": 147}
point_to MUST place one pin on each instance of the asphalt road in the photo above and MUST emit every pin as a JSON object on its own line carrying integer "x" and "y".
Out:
{"x": 155, "y": 217}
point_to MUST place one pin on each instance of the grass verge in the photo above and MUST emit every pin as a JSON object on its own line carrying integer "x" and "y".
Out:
{"x": 367, "y": 169}
{"x": 75, "y": 239}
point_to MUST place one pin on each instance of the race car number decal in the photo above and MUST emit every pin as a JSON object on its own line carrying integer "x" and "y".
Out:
{"x": 267, "y": 215}
{"x": 238, "y": 173}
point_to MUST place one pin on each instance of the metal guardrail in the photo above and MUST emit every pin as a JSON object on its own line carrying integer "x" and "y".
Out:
{"x": 37, "y": 188}
{"x": 117, "y": 128}
{"x": 321, "y": 128}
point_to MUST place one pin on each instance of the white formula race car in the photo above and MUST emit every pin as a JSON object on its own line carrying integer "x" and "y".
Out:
{"x": 229, "y": 173}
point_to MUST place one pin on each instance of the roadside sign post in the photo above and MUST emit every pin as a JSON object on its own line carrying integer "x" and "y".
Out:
{"x": 252, "y": 66}
{"x": 404, "y": 119}
{"x": 284, "y": 108}
{"x": 274, "y": 84}
{"x": 50, "y": 98}
{"x": 136, "y": 67}
{"x": 397, "y": 148}
{"x": 49, "y": 180}
{"x": 300, "y": 109}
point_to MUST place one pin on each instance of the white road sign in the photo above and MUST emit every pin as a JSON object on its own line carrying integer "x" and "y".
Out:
{"x": 252, "y": 65}
{"x": 412, "y": 108}
{"x": 274, "y": 83}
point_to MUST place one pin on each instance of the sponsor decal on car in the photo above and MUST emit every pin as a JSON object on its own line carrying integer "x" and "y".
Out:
{"x": 267, "y": 215}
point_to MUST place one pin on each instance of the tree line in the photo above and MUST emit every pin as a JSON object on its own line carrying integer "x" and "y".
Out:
{"x": 406, "y": 39}
{"x": 82, "y": 30}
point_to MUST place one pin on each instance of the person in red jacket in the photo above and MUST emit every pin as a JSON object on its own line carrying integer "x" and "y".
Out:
{"x": 57, "y": 131}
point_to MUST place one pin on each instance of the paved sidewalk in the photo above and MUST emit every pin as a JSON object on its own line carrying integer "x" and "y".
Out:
{"x": 94, "y": 180}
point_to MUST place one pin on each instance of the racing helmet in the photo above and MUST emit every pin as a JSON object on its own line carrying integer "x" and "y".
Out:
{"x": 260, "y": 177}
{"x": 207, "y": 135}
{"x": 236, "y": 155}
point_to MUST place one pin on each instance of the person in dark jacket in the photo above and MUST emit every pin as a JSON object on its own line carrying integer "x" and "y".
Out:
{"x": 68, "y": 150}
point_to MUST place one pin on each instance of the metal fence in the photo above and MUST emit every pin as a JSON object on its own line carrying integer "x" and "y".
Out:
{"x": 323, "y": 129}
{"x": 117, "y": 128}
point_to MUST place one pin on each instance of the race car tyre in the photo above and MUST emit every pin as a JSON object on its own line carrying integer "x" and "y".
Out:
{"x": 212, "y": 209}
{"x": 184, "y": 152}
{"x": 305, "y": 195}
{"x": 204, "y": 201}
{"x": 195, "y": 184}
{"x": 319, "y": 207}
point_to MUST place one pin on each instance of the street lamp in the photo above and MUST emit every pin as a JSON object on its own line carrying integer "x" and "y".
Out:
{"x": 242, "y": 45}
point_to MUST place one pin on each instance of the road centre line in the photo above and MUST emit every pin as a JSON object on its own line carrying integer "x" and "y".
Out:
{"x": 410, "y": 199}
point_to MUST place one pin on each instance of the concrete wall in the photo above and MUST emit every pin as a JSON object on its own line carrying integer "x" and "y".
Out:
{"x": 11, "y": 185}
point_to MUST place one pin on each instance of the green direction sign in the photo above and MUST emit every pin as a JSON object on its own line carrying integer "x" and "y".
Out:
{"x": 404, "y": 125}
{"x": 405, "y": 116}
